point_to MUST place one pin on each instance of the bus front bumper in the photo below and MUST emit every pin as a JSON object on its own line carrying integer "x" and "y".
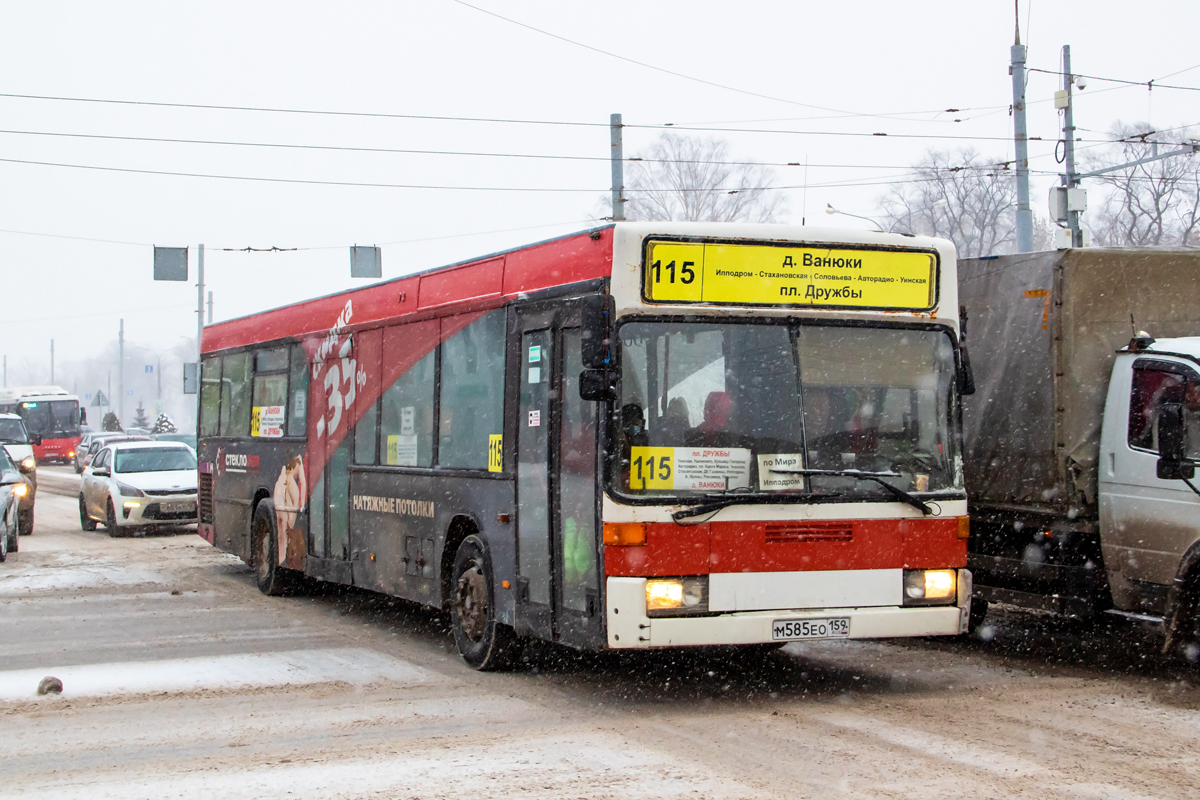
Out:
{"x": 630, "y": 627}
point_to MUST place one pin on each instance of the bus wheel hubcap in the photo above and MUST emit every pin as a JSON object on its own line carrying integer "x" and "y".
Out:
{"x": 471, "y": 603}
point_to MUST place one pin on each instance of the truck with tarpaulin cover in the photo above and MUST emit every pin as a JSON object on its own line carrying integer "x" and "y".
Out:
{"x": 1087, "y": 376}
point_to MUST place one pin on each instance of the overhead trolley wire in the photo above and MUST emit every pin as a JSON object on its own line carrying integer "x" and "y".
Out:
{"x": 408, "y": 151}
{"x": 676, "y": 74}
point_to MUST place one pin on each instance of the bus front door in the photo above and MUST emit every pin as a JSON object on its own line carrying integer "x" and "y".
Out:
{"x": 557, "y": 555}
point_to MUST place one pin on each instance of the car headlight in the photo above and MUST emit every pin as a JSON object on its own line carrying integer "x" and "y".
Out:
{"x": 129, "y": 491}
{"x": 20, "y": 489}
{"x": 28, "y": 463}
{"x": 930, "y": 587}
{"x": 666, "y": 597}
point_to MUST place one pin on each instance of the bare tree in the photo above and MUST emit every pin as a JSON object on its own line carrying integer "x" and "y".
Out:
{"x": 1152, "y": 204}
{"x": 683, "y": 178}
{"x": 959, "y": 196}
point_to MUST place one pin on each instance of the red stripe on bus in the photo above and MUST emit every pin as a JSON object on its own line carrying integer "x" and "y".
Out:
{"x": 498, "y": 278}
{"x": 749, "y": 547}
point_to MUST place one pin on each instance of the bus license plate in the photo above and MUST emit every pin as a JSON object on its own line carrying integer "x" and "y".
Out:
{"x": 787, "y": 630}
{"x": 176, "y": 508}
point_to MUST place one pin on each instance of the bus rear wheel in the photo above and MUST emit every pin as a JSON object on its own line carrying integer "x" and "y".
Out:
{"x": 483, "y": 642}
{"x": 270, "y": 576}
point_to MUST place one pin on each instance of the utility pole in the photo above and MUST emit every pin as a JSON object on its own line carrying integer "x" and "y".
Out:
{"x": 51, "y": 362}
{"x": 199, "y": 303}
{"x": 121, "y": 374}
{"x": 210, "y": 306}
{"x": 618, "y": 169}
{"x": 1021, "y": 142}
{"x": 6, "y": 372}
{"x": 1070, "y": 179}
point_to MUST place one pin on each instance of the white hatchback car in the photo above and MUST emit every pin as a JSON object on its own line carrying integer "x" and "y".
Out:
{"x": 136, "y": 485}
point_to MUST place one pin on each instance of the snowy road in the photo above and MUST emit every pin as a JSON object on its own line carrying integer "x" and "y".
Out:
{"x": 181, "y": 680}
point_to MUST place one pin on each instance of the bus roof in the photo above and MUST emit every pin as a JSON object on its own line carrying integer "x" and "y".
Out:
{"x": 12, "y": 394}
{"x": 493, "y": 278}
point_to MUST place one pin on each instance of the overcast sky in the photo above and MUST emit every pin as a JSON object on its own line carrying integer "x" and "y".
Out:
{"x": 846, "y": 68}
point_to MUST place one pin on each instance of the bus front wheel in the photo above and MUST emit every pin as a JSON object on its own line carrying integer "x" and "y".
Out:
{"x": 484, "y": 643}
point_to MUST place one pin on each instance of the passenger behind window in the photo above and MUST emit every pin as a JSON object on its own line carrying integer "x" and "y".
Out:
{"x": 713, "y": 429}
{"x": 675, "y": 423}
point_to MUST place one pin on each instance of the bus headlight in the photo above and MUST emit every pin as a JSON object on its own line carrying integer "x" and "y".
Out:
{"x": 930, "y": 587}
{"x": 667, "y": 597}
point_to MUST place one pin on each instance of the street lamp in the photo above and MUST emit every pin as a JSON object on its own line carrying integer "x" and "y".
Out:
{"x": 829, "y": 209}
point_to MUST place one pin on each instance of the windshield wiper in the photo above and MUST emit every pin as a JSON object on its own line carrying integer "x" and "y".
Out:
{"x": 877, "y": 477}
{"x": 717, "y": 502}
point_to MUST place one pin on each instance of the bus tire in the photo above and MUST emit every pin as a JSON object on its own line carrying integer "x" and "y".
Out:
{"x": 271, "y": 578}
{"x": 25, "y": 521}
{"x": 85, "y": 521}
{"x": 484, "y": 643}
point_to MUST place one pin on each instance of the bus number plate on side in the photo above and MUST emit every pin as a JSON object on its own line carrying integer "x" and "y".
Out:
{"x": 788, "y": 630}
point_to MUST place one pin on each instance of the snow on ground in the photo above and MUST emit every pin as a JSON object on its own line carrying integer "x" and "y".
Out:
{"x": 293, "y": 668}
{"x": 592, "y": 765}
{"x": 67, "y": 572}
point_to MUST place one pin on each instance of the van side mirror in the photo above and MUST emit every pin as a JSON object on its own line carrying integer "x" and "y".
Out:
{"x": 1172, "y": 444}
{"x": 596, "y": 334}
{"x": 35, "y": 438}
{"x": 597, "y": 384}
{"x": 966, "y": 375}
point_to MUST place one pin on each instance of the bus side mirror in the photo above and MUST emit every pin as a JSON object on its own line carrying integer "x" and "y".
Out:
{"x": 596, "y": 334}
{"x": 597, "y": 385}
{"x": 1172, "y": 444}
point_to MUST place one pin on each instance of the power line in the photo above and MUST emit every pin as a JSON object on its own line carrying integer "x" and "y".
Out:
{"x": 1150, "y": 84}
{"x": 408, "y": 151}
{"x": 673, "y": 73}
{"x": 316, "y": 112}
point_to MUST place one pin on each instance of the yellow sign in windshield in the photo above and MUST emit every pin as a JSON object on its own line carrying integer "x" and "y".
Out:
{"x": 749, "y": 274}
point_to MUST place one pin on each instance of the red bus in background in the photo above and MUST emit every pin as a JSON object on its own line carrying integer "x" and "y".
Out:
{"x": 51, "y": 416}
{"x": 643, "y": 435}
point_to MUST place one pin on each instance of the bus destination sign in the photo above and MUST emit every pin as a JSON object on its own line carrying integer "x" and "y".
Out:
{"x": 749, "y": 274}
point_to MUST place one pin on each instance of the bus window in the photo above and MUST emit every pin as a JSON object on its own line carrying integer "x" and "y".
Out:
{"x": 368, "y": 346}
{"x": 472, "y": 399}
{"x": 235, "y": 395}
{"x": 406, "y": 424}
{"x": 273, "y": 360}
{"x": 299, "y": 388}
{"x": 210, "y": 395}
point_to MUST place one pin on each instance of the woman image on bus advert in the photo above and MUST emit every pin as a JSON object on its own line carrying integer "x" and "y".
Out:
{"x": 290, "y": 491}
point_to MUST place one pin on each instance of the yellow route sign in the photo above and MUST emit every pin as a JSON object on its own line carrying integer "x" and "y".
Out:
{"x": 793, "y": 275}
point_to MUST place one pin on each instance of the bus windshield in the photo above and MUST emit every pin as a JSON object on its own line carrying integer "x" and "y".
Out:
{"x": 740, "y": 406}
{"x": 51, "y": 418}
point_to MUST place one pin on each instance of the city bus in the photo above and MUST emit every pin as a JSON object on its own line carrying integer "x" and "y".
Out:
{"x": 51, "y": 416}
{"x": 644, "y": 435}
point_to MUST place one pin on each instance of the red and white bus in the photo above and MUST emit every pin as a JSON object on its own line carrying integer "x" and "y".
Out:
{"x": 643, "y": 435}
{"x": 51, "y": 416}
